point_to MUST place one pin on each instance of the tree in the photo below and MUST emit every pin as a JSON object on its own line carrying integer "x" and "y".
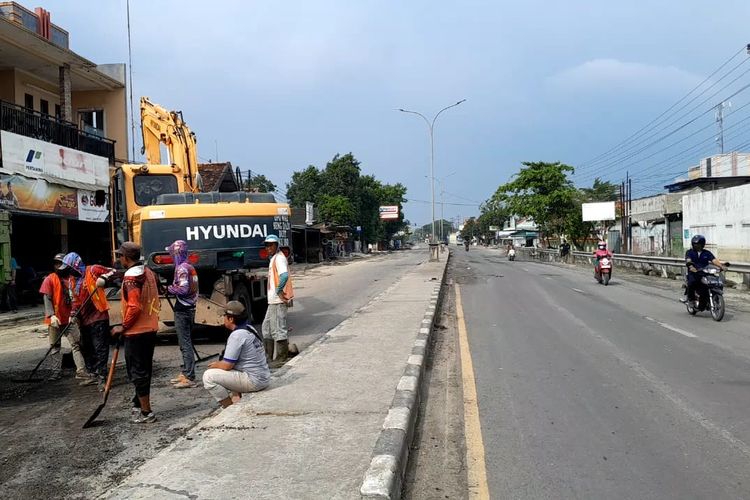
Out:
{"x": 337, "y": 209}
{"x": 259, "y": 183}
{"x": 346, "y": 197}
{"x": 577, "y": 230}
{"x": 492, "y": 213}
{"x": 305, "y": 186}
{"x": 470, "y": 229}
{"x": 541, "y": 191}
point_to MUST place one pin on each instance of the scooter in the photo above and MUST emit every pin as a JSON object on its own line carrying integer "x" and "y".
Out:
{"x": 709, "y": 294}
{"x": 603, "y": 271}
{"x": 512, "y": 254}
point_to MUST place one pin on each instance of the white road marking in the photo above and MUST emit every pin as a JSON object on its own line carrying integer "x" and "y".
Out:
{"x": 525, "y": 269}
{"x": 577, "y": 290}
{"x": 673, "y": 328}
{"x": 547, "y": 278}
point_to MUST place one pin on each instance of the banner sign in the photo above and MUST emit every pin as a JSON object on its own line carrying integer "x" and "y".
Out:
{"x": 37, "y": 195}
{"x": 43, "y": 160}
{"x": 591, "y": 212}
{"x": 309, "y": 213}
{"x": 389, "y": 212}
{"x": 88, "y": 210}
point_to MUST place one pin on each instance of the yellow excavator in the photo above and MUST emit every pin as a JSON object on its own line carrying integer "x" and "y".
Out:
{"x": 156, "y": 203}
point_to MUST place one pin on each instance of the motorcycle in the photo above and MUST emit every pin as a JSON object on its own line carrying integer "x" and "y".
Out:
{"x": 603, "y": 270}
{"x": 709, "y": 294}
{"x": 512, "y": 254}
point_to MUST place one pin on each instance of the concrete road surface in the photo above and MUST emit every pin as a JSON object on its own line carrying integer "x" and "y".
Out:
{"x": 46, "y": 454}
{"x": 593, "y": 392}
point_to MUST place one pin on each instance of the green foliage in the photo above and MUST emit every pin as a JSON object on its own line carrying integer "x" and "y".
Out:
{"x": 259, "y": 183}
{"x": 337, "y": 209}
{"x": 491, "y": 213}
{"x": 447, "y": 229}
{"x": 346, "y": 197}
{"x": 541, "y": 191}
{"x": 471, "y": 229}
{"x": 578, "y": 230}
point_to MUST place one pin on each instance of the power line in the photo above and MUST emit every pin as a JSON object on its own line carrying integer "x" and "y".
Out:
{"x": 642, "y": 129}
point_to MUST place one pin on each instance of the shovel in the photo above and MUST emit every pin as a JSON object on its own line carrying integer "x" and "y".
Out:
{"x": 62, "y": 334}
{"x": 107, "y": 388}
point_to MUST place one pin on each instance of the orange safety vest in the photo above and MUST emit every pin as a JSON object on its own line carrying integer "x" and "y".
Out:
{"x": 98, "y": 297}
{"x": 148, "y": 319}
{"x": 288, "y": 288}
{"x": 60, "y": 303}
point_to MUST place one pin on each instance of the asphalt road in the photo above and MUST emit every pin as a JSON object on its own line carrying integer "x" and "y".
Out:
{"x": 44, "y": 453}
{"x": 586, "y": 391}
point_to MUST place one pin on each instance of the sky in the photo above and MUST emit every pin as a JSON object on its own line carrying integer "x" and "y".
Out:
{"x": 276, "y": 86}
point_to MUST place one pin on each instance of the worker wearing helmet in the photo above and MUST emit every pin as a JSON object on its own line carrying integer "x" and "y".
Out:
{"x": 57, "y": 308}
{"x": 696, "y": 259}
{"x": 280, "y": 294}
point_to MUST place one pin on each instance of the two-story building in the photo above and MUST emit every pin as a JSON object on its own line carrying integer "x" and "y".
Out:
{"x": 63, "y": 127}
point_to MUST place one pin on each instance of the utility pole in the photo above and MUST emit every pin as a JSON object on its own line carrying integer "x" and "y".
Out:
{"x": 720, "y": 122}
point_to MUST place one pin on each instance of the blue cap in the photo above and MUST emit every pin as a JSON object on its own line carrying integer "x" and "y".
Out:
{"x": 272, "y": 238}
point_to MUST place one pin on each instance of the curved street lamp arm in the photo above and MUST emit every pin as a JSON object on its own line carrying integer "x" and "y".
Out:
{"x": 418, "y": 114}
{"x": 446, "y": 108}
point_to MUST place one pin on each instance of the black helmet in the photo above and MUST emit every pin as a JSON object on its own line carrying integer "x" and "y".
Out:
{"x": 698, "y": 240}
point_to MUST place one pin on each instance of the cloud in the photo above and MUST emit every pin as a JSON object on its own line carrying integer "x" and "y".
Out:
{"x": 612, "y": 75}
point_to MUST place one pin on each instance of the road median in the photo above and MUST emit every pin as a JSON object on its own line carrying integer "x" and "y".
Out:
{"x": 327, "y": 417}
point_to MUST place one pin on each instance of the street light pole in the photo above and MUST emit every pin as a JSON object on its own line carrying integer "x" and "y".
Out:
{"x": 431, "y": 127}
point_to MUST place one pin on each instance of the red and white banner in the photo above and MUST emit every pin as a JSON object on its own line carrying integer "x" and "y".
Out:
{"x": 389, "y": 212}
{"x": 43, "y": 160}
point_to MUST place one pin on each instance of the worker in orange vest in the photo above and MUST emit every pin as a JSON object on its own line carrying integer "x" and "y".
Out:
{"x": 91, "y": 312}
{"x": 57, "y": 309}
{"x": 140, "y": 321}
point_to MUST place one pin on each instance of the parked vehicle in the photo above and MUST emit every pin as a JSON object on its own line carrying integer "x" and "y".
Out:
{"x": 512, "y": 254}
{"x": 603, "y": 270}
{"x": 709, "y": 294}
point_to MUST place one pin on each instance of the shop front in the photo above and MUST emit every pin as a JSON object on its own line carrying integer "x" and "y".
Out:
{"x": 57, "y": 200}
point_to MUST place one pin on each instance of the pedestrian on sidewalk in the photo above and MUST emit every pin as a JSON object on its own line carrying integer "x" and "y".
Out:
{"x": 185, "y": 289}
{"x": 280, "y": 294}
{"x": 10, "y": 289}
{"x": 57, "y": 310}
{"x": 140, "y": 321}
{"x": 243, "y": 367}
{"x": 564, "y": 251}
{"x": 92, "y": 318}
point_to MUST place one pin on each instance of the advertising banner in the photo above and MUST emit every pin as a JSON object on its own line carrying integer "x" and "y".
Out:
{"x": 43, "y": 160}
{"x": 37, "y": 195}
{"x": 598, "y": 211}
{"x": 88, "y": 210}
{"x": 389, "y": 212}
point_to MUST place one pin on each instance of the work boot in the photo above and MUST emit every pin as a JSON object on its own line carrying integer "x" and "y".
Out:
{"x": 268, "y": 346}
{"x": 282, "y": 354}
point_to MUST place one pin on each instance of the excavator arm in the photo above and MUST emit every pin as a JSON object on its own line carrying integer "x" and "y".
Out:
{"x": 161, "y": 126}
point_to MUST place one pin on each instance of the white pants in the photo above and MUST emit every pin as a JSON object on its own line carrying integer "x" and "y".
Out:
{"x": 219, "y": 382}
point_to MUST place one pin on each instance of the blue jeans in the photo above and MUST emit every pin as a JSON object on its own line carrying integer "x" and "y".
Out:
{"x": 183, "y": 322}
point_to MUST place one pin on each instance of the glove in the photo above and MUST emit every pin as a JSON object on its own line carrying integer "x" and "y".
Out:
{"x": 54, "y": 321}
{"x": 101, "y": 283}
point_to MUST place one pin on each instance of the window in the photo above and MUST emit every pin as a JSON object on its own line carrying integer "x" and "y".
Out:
{"x": 44, "y": 106}
{"x": 148, "y": 187}
{"x": 58, "y": 110}
{"x": 92, "y": 121}
{"x": 28, "y": 101}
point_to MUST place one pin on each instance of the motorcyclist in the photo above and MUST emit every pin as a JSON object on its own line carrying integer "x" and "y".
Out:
{"x": 466, "y": 244}
{"x": 600, "y": 253}
{"x": 696, "y": 259}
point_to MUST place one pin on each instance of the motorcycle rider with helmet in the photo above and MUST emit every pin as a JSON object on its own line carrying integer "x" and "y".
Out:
{"x": 696, "y": 259}
{"x": 601, "y": 252}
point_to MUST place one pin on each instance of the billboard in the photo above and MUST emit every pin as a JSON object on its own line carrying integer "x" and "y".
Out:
{"x": 18, "y": 193}
{"x": 43, "y": 160}
{"x": 88, "y": 209}
{"x": 389, "y": 212}
{"x": 598, "y": 211}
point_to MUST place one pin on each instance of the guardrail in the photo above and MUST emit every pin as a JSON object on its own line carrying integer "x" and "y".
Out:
{"x": 646, "y": 262}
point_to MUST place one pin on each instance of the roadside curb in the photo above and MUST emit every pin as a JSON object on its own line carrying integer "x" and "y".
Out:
{"x": 384, "y": 477}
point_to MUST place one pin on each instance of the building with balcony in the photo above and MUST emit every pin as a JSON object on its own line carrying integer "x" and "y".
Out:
{"x": 63, "y": 127}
